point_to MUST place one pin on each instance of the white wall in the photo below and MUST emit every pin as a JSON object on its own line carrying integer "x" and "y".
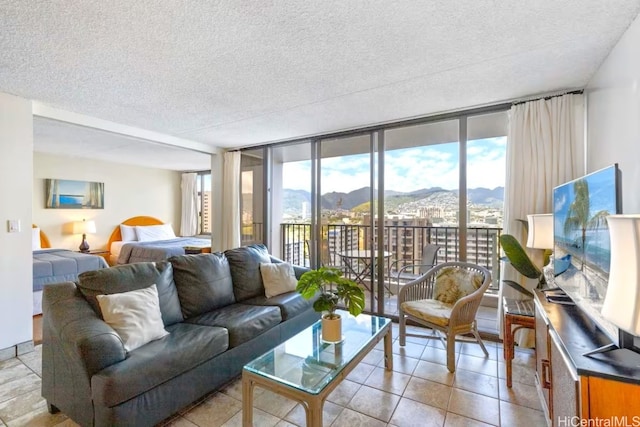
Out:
{"x": 128, "y": 191}
{"x": 613, "y": 118}
{"x": 16, "y": 177}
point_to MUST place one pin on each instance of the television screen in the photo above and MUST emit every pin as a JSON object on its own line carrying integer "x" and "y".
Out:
{"x": 582, "y": 251}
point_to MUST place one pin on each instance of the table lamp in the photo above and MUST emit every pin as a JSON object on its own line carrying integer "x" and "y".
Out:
{"x": 622, "y": 300}
{"x": 540, "y": 236}
{"x": 83, "y": 227}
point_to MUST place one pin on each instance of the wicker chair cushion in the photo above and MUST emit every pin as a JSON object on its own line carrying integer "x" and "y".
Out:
{"x": 431, "y": 310}
{"x": 454, "y": 283}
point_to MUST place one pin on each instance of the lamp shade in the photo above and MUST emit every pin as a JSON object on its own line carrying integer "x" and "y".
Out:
{"x": 84, "y": 227}
{"x": 540, "y": 231}
{"x": 622, "y": 301}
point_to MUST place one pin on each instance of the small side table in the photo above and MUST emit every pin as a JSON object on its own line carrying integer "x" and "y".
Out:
{"x": 518, "y": 314}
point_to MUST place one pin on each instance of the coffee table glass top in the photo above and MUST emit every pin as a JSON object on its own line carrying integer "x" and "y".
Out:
{"x": 308, "y": 363}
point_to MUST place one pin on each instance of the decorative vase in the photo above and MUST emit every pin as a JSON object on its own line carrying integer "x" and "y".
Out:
{"x": 332, "y": 328}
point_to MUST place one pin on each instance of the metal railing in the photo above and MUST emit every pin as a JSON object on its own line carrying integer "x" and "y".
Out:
{"x": 404, "y": 242}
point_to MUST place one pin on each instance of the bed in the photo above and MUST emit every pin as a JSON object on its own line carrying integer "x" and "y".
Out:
{"x": 57, "y": 265}
{"x": 145, "y": 238}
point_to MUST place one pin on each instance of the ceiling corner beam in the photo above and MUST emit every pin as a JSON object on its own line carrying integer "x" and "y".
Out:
{"x": 48, "y": 112}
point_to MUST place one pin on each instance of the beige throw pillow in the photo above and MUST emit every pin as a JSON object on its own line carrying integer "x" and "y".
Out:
{"x": 454, "y": 283}
{"x": 134, "y": 315}
{"x": 278, "y": 278}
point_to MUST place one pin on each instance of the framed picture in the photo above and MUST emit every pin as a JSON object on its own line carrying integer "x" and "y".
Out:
{"x": 67, "y": 194}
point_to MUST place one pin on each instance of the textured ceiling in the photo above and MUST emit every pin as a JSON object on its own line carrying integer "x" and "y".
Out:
{"x": 239, "y": 73}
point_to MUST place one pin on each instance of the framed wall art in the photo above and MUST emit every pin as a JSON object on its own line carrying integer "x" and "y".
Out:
{"x": 68, "y": 194}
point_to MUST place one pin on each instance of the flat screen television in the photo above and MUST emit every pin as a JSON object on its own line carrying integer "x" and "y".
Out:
{"x": 582, "y": 250}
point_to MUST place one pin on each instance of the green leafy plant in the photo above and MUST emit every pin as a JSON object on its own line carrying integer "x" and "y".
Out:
{"x": 324, "y": 280}
{"x": 519, "y": 259}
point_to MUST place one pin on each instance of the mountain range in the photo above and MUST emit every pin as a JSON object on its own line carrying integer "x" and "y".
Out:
{"x": 394, "y": 200}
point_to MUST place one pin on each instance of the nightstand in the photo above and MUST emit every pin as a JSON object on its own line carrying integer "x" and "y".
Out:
{"x": 193, "y": 250}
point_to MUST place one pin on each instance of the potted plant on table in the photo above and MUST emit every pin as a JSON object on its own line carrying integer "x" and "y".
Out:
{"x": 333, "y": 289}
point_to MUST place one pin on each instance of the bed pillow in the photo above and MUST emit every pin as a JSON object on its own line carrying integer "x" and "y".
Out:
{"x": 128, "y": 233}
{"x": 278, "y": 278}
{"x": 134, "y": 315}
{"x": 148, "y": 233}
{"x": 35, "y": 239}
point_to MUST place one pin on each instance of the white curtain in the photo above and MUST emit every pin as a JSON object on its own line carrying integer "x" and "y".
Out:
{"x": 231, "y": 200}
{"x": 189, "y": 221}
{"x": 545, "y": 148}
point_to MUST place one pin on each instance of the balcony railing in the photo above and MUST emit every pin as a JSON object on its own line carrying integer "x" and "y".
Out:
{"x": 404, "y": 242}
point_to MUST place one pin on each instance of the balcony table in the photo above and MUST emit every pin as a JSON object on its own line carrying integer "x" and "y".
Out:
{"x": 353, "y": 259}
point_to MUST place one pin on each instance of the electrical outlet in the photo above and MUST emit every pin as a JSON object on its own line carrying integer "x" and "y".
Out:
{"x": 14, "y": 225}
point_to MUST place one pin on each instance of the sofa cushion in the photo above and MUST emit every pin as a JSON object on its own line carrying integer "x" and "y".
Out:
{"x": 291, "y": 304}
{"x": 244, "y": 322}
{"x": 131, "y": 277}
{"x": 146, "y": 367}
{"x": 134, "y": 315}
{"x": 245, "y": 270}
{"x": 203, "y": 282}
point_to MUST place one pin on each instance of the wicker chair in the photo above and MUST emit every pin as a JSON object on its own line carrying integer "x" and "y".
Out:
{"x": 446, "y": 320}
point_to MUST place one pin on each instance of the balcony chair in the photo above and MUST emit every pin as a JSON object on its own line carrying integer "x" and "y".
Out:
{"x": 412, "y": 271}
{"x": 328, "y": 258}
{"x": 446, "y": 299}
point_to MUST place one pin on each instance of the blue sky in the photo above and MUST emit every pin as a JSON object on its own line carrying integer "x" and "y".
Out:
{"x": 409, "y": 169}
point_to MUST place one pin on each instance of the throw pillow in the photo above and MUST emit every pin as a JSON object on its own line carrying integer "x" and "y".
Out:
{"x": 132, "y": 277}
{"x": 278, "y": 278}
{"x": 134, "y": 315}
{"x": 454, "y": 283}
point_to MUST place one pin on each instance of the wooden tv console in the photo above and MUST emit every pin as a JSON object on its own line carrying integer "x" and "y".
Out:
{"x": 575, "y": 389}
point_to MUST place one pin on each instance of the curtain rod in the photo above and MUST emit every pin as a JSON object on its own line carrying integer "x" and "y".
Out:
{"x": 572, "y": 92}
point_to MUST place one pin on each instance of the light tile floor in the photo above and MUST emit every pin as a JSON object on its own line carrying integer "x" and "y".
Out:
{"x": 420, "y": 391}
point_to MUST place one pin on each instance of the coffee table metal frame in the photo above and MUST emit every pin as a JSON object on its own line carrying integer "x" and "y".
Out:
{"x": 313, "y": 403}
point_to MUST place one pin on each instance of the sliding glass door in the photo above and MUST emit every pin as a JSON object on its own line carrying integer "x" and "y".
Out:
{"x": 421, "y": 179}
{"x": 346, "y": 200}
{"x": 377, "y": 204}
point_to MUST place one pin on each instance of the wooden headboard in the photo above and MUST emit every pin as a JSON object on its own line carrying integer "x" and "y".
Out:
{"x": 116, "y": 236}
{"x": 44, "y": 240}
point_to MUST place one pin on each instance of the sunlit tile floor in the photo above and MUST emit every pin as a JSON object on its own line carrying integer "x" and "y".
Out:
{"x": 420, "y": 391}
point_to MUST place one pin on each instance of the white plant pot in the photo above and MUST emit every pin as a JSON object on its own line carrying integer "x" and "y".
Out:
{"x": 331, "y": 328}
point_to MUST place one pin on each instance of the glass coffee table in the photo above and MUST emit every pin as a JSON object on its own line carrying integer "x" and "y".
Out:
{"x": 306, "y": 369}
